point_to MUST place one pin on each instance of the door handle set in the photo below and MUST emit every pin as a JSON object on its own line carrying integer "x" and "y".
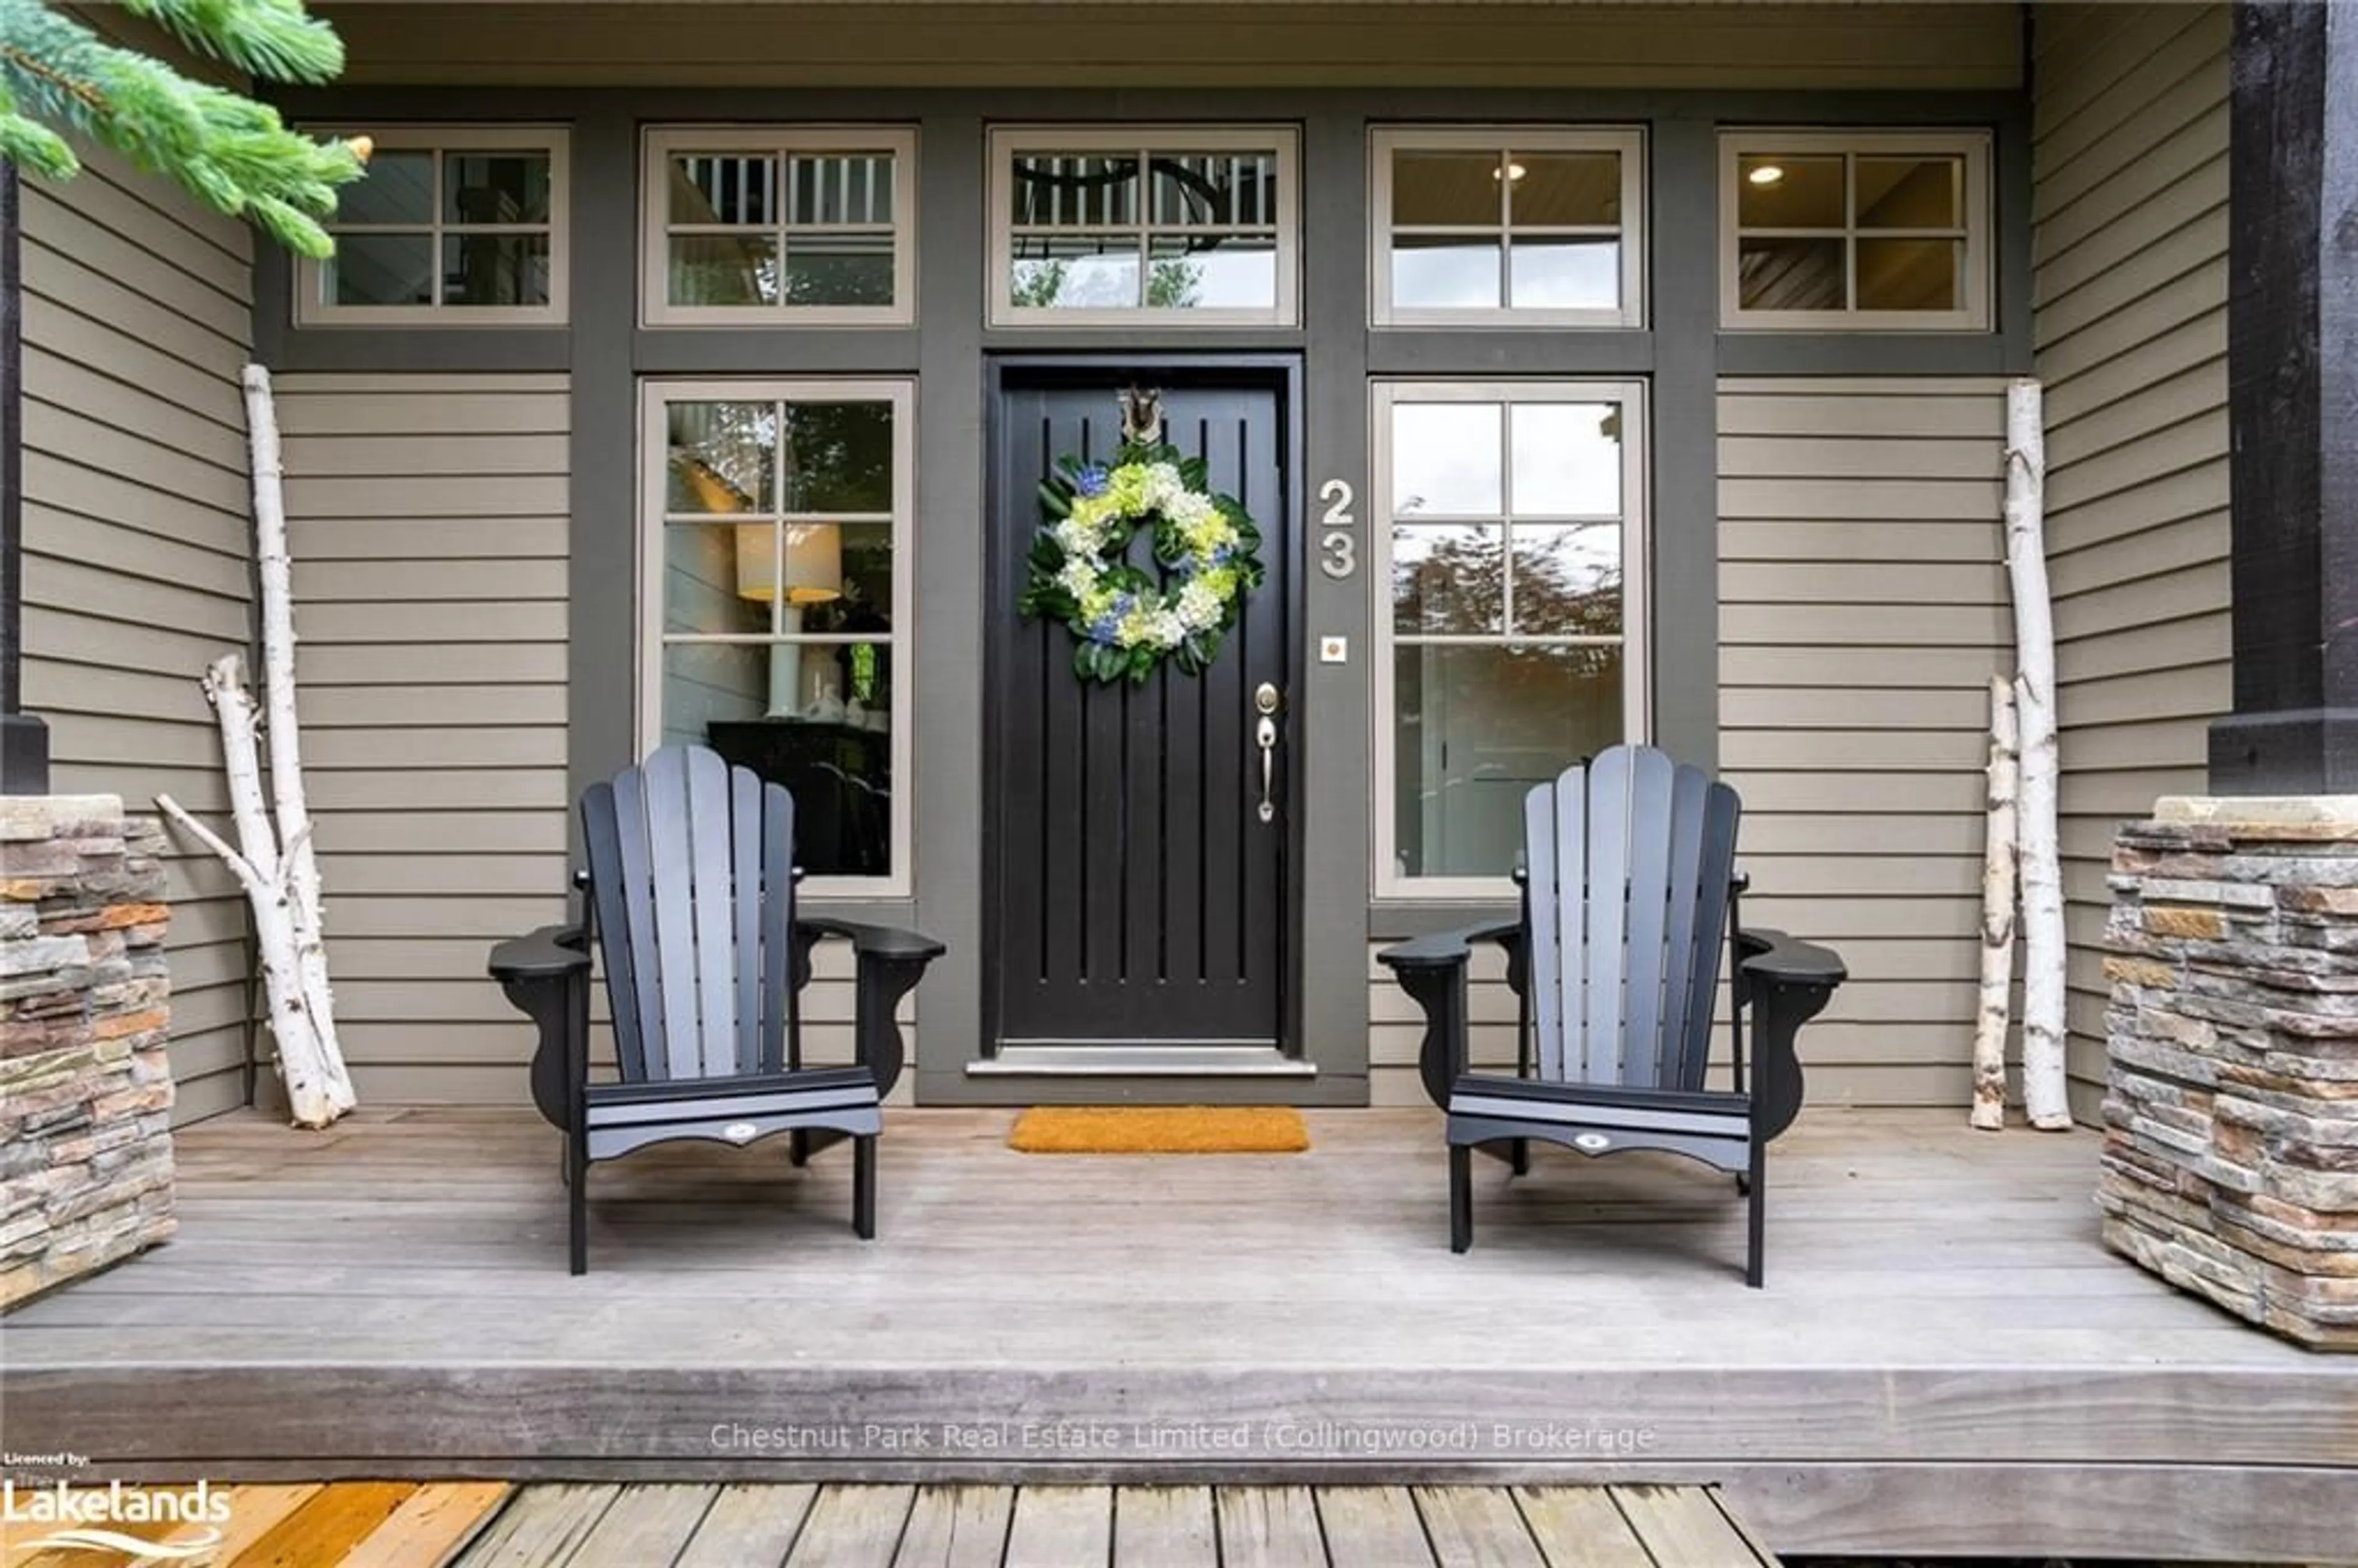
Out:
{"x": 1266, "y": 702}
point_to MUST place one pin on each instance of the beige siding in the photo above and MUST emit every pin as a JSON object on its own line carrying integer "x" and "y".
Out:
{"x": 139, "y": 307}
{"x": 1918, "y": 46}
{"x": 1863, "y": 610}
{"x": 427, "y": 519}
{"x": 2131, "y": 292}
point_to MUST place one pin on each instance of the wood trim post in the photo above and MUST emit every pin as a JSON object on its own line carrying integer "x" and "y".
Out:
{"x": 2292, "y": 367}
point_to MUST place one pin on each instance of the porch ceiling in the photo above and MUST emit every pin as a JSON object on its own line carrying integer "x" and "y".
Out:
{"x": 1080, "y": 44}
{"x": 1940, "y": 1321}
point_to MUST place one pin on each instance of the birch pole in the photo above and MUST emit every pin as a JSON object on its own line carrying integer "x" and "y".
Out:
{"x": 277, "y": 577}
{"x": 274, "y": 861}
{"x": 1998, "y": 857}
{"x": 2043, "y": 1080}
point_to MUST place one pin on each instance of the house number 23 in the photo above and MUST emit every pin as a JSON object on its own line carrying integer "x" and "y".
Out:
{"x": 1338, "y": 549}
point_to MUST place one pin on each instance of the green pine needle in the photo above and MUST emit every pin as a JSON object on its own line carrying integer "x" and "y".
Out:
{"x": 227, "y": 150}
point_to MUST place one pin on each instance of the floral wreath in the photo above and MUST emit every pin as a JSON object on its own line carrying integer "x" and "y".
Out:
{"x": 1123, "y": 621}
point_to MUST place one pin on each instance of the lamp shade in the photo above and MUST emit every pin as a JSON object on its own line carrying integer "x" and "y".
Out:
{"x": 813, "y": 559}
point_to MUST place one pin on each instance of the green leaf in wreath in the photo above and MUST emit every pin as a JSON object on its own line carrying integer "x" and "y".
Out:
{"x": 1084, "y": 661}
{"x": 1055, "y": 501}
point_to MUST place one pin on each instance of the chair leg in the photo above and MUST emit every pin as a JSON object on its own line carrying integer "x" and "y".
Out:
{"x": 1519, "y": 1157}
{"x": 1757, "y": 1184}
{"x": 799, "y": 1147}
{"x": 1461, "y": 1197}
{"x": 1743, "y": 1185}
{"x": 863, "y": 1187}
{"x": 577, "y": 1203}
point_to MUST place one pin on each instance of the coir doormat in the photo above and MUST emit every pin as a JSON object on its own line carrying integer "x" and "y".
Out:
{"x": 1160, "y": 1130}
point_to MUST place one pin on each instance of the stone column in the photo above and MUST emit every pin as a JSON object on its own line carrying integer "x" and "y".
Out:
{"x": 85, "y": 1091}
{"x": 2231, "y": 1148}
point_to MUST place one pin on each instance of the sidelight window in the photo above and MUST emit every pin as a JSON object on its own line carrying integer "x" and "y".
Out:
{"x": 1190, "y": 225}
{"x": 780, "y": 227}
{"x": 449, "y": 227}
{"x": 1854, "y": 230}
{"x": 1507, "y": 226}
{"x": 776, "y": 585}
{"x": 1511, "y": 645}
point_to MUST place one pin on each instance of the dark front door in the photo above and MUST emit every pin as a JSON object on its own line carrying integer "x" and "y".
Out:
{"x": 1138, "y": 893}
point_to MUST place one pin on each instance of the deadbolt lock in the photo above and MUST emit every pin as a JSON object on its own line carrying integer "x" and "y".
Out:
{"x": 1266, "y": 698}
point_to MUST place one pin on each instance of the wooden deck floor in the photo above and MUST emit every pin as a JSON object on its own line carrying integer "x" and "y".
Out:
{"x": 476, "y": 1524}
{"x": 1945, "y": 1360}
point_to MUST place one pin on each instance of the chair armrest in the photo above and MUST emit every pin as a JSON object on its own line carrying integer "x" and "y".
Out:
{"x": 547, "y": 976}
{"x": 550, "y": 952}
{"x": 1444, "y": 948}
{"x": 1781, "y": 960}
{"x": 1432, "y": 970}
{"x": 889, "y": 962}
{"x": 883, "y": 941}
{"x": 1785, "y": 983}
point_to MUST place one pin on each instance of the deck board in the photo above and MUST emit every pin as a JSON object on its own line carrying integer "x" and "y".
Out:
{"x": 1937, "y": 1300}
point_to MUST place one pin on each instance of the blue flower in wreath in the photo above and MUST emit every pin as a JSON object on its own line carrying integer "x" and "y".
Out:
{"x": 1106, "y": 629}
{"x": 1092, "y": 480}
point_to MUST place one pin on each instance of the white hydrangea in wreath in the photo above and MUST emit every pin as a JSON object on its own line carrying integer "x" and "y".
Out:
{"x": 1125, "y": 622}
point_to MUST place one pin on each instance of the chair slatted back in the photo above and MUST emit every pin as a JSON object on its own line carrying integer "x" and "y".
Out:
{"x": 1628, "y": 864}
{"x": 692, "y": 894}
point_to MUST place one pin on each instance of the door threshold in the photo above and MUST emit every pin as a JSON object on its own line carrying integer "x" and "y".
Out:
{"x": 1140, "y": 1062}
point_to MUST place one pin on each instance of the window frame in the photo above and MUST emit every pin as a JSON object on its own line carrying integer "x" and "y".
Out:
{"x": 1637, "y": 681}
{"x": 1973, "y": 147}
{"x": 1005, "y": 141}
{"x": 311, "y": 310}
{"x": 658, "y": 144}
{"x": 1630, "y": 141}
{"x": 657, "y": 393}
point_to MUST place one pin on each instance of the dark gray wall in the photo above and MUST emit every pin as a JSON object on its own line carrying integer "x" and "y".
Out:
{"x": 1682, "y": 355}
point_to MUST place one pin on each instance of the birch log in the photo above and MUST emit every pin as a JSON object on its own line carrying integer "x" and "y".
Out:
{"x": 318, "y": 1089}
{"x": 276, "y": 574}
{"x": 1997, "y": 910}
{"x": 2043, "y": 1092}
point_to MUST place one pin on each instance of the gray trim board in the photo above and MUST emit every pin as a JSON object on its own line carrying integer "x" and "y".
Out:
{"x": 1333, "y": 799}
{"x": 426, "y": 350}
{"x": 602, "y": 569}
{"x": 1874, "y": 353}
{"x": 947, "y": 638}
{"x": 1683, "y": 541}
{"x": 761, "y": 351}
{"x": 1423, "y": 351}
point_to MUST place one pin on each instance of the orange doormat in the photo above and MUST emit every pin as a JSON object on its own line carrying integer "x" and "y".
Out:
{"x": 1160, "y": 1130}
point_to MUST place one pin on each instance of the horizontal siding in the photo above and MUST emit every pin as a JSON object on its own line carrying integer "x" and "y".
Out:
{"x": 2130, "y": 199}
{"x": 1179, "y": 46}
{"x": 1863, "y": 610}
{"x": 428, "y": 517}
{"x": 137, "y": 309}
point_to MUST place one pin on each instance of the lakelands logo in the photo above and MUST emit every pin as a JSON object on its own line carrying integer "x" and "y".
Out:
{"x": 80, "y": 1519}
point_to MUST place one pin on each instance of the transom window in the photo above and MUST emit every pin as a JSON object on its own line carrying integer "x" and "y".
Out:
{"x": 775, "y": 584}
{"x": 1138, "y": 224}
{"x": 1511, "y": 225}
{"x": 753, "y": 226}
{"x": 1512, "y": 644}
{"x": 455, "y": 226}
{"x": 1854, "y": 230}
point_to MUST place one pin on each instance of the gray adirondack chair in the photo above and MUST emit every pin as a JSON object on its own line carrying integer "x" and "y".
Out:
{"x": 1630, "y": 899}
{"x": 690, "y": 899}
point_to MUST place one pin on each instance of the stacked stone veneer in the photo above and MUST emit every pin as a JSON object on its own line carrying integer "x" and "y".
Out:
{"x": 85, "y": 1093}
{"x": 2231, "y": 1147}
